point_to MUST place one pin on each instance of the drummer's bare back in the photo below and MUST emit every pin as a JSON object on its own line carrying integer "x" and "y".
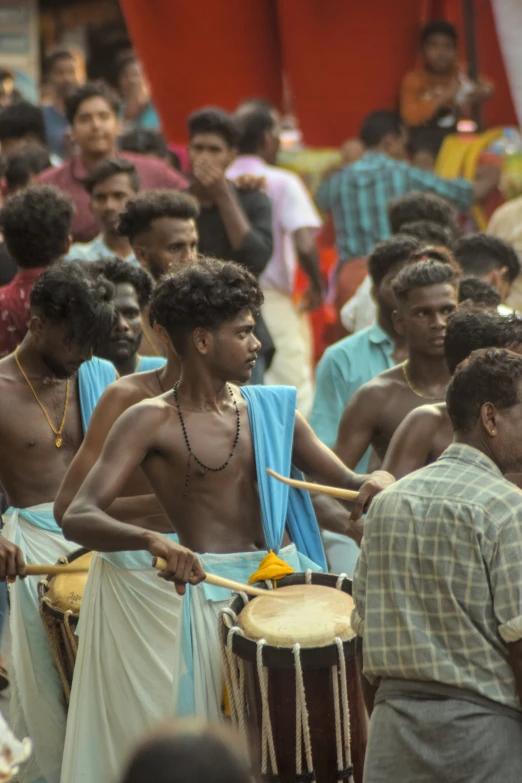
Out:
{"x": 31, "y": 467}
{"x": 221, "y": 511}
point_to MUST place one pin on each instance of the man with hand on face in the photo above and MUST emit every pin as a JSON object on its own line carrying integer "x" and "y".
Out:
{"x": 93, "y": 111}
{"x": 233, "y": 224}
{"x": 426, "y": 294}
{"x": 132, "y": 292}
{"x": 110, "y": 185}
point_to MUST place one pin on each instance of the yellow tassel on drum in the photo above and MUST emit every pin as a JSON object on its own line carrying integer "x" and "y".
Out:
{"x": 271, "y": 567}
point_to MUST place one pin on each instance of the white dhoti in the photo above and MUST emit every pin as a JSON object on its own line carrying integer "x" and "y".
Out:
{"x": 145, "y": 654}
{"x": 37, "y": 703}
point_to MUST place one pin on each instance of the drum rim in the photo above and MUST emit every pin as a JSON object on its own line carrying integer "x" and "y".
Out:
{"x": 283, "y": 657}
{"x": 43, "y": 588}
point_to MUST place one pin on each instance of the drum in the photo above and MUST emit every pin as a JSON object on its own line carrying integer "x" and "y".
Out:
{"x": 60, "y": 598}
{"x": 292, "y": 681}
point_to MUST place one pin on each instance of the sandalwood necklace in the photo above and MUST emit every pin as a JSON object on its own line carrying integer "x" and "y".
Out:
{"x": 205, "y": 468}
{"x": 58, "y": 433}
{"x": 405, "y": 366}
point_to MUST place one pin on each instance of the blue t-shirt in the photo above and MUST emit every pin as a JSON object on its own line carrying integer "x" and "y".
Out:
{"x": 56, "y": 124}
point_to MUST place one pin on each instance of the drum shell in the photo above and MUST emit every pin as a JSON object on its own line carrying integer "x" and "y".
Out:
{"x": 317, "y": 664}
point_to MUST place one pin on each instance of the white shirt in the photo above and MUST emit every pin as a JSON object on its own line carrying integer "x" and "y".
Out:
{"x": 360, "y": 311}
{"x": 292, "y": 208}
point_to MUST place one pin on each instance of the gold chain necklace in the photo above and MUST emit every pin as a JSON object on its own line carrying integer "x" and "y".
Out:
{"x": 413, "y": 389}
{"x": 58, "y": 439}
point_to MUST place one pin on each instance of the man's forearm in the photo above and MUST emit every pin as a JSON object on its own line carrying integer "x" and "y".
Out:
{"x": 331, "y": 515}
{"x": 309, "y": 263}
{"x": 234, "y": 219}
{"x": 91, "y": 527}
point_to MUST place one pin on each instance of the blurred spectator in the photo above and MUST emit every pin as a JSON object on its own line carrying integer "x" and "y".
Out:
{"x": 137, "y": 110}
{"x": 434, "y": 94}
{"x": 148, "y": 142}
{"x": 132, "y": 292}
{"x": 294, "y": 224}
{"x": 358, "y": 194}
{"x": 491, "y": 259}
{"x": 190, "y": 752}
{"x": 60, "y": 73}
{"x": 233, "y": 224}
{"x": 479, "y": 292}
{"x": 423, "y": 148}
{"x": 24, "y": 165}
{"x": 36, "y": 224}
{"x": 7, "y": 89}
{"x": 110, "y": 185}
{"x": 20, "y": 122}
{"x": 506, "y": 224}
{"x": 93, "y": 113}
{"x": 352, "y": 150}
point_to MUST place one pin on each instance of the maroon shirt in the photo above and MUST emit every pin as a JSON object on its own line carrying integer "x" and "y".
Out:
{"x": 153, "y": 174}
{"x": 14, "y": 309}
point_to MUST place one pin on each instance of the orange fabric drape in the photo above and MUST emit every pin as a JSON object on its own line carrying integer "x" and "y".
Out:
{"x": 204, "y": 53}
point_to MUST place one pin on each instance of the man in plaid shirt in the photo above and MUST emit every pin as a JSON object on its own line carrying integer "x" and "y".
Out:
{"x": 438, "y": 596}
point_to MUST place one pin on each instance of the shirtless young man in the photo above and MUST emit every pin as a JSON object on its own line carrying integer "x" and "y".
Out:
{"x": 48, "y": 389}
{"x": 426, "y": 432}
{"x": 204, "y": 447}
{"x": 426, "y": 294}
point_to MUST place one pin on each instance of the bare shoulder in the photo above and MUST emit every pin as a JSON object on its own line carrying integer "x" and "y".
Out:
{"x": 380, "y": 387}
{"x": 129, "y": 390}
{"x": 428, "y": 416}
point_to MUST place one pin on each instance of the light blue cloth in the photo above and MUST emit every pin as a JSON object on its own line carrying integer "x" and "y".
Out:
{"x": 93, "y": 378}
{"x": 95, "y": 250}
{"x": 148, "y": 119}
{"x": 151, "y": 363}
{"x": 343, "y": 369}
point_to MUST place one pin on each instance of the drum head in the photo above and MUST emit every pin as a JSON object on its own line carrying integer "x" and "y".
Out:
{"x": 312, "y": 615}
{"x": 66, "y": 590}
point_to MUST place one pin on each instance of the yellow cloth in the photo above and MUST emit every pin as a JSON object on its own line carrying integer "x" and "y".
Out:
{"x": 271, "y": 567}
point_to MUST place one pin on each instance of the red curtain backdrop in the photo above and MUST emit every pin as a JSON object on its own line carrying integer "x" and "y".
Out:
{"x": 343, "y": 58}
{"x": 211, "y": 52}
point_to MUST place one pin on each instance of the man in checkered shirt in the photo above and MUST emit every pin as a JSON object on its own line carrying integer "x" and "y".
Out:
{"x": 438, "y": 596}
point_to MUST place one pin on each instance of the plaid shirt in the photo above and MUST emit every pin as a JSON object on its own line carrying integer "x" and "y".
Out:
{"x": 438, "y": 585}
{"x": 358, "y": 196}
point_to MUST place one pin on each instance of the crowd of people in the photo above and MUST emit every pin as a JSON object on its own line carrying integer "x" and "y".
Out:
{"x": 155, "y": 361}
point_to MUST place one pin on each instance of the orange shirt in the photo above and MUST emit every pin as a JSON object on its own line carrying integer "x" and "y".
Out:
{"x": 418, "y": 95}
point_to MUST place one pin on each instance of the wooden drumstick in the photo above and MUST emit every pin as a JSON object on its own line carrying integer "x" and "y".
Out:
{"x": 41, "y": 569}
{"x": 335, "y": 492}
{"x": 220, "y": 581}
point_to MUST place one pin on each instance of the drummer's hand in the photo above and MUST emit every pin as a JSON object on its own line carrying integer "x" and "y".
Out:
{"x": 182, "y": 564}
{"x": 12, "y": 563}
{"x": 374, "y": 484}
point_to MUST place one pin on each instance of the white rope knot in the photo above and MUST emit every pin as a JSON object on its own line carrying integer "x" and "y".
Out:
{"x": 340, "y": 581}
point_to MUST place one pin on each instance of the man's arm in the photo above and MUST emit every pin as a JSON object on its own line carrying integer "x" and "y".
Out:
{"x": 87, "y": 522}
{"x": 320, "y": 463}
{"x": 358, "y": 425}
{"x": 411, "y": 445}
{"x": 332, "y": 515}
{"x": 308, "y": 258}
{"x": 114, "y": 401}
{"x": 415, "y": 108}
{"x": 459, "y": 191}
{"x": 330, "y": 396}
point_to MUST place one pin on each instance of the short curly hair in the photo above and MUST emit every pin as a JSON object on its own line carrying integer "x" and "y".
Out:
{"x": 422, "y": 274}
{"x": 429, "y": 233}
{"x": 469, "y": 330}
{"x": 36, "y": 224}
{"x": 478, "y": 292}
{"x": 21, "y": 119}
{"x": 204, "y": 293}
{"x": 389, "y": 254}
{"x": 110, "y": 167}
{"x": 67, "y": 294}
{"x": 420, "y": 206}
{"x": 211, "y": 119}
{"x": 97, "y": 89}
{"x": 489, "y": 375}
{"x": 116, "y": 270}
{"x": 141, "y": 211}
{"x": 479, "y": 254}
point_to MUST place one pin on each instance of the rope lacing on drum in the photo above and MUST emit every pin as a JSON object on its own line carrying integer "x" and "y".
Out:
{"x": 308, "y": 576}
{"x": 302, "y": 725}
{"x": 267, "y": 735}
{"x": 234, "y": 672}
{"x": 342, "y": 724}
{"x": 340, "y": 579}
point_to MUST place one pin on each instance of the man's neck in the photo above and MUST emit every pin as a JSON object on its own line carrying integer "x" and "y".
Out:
{"x": 90, "y": 160}
{"x": 169, "y": 374}
{"x": 201, "y": 391}
{"x": 119, "y": 245}
{"x": 32, "y": 361}
{"x": 127, "y": 366}
{"x": 427, "y": 371}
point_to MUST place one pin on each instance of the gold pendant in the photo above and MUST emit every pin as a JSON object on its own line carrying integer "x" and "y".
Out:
{"x": 58, "y": 442}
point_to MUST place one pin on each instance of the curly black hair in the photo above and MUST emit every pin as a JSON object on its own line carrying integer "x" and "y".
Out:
{"x": 109, "y": 168}
{"x": 439, "y": 27}
{"x": 204, "y": 293}
{"x": 36, "y": 223}
{"x": 420, "y": 206}
{"x": 479, "y": 254}
{"x": 141, "y": 211}
{"x": 489, "y": 375}
{"x": 29, "y": 160}
{"x": 469, "y": 330}
{"x": 211, "y": 119}
{"x": 252, "y": 125}
{"x": 389, "y": 254}
{"x": 422, "y": 274}
{"x": 68, "y": 294}
{"x": 430, "y": 233}
{"x": 116, "y": 270}
{"x": 89, "y": 90}
{"x": 21, "y": 119}
{"x": 479, "y": 292}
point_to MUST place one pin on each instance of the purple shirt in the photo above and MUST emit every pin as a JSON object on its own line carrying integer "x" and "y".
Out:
{"x": 70, "y": 177}
{"x": 292, "y": 208}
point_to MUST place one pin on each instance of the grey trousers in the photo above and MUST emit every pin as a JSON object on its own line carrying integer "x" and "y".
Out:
{"x": 442, "y": 740}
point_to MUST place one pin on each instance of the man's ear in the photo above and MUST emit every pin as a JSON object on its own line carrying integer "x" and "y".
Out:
{"x": 397, "y": 321}
{"x": 203, "y": 340}
{"x": 489, "y": 419}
